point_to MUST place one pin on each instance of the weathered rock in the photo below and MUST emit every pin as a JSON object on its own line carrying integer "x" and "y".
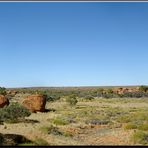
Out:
{"x": 3, "y": 101}
{"x": 35, "y": 103}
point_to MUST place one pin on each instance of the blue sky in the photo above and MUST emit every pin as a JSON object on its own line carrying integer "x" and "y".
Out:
{"x": 73, "y": 44}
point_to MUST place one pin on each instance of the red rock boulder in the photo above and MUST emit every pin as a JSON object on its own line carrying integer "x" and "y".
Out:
{"x": 35, "y": 103}
{"x": 3, "y": 101}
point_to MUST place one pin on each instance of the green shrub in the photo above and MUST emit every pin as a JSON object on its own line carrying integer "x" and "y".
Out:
{"x": 141, "y": 116}
{"x": 49, "y": 96}
{"x": 124, "y": 119}
{"x": 67, "y": 134}
{"x": 140, "y": 137}
{"x": 2, "y": 91}
{"x": 44, "y": 129}
{"x": 143, "y": 88}
{"x": 26, "y": 144}
{"x": 41, "y": 142}
{"x": 54, "y": 130}
{"x": 51, "y": 130}
{"x": 13, "y": 112}
{"x": 97, "y": 121}
{"x": 143, "y": 127}
{"x": 88, "y": 97}
{"x": 130, "y": 126}
{"x": 71, "y": 100}
{"x": 60, "y": 121}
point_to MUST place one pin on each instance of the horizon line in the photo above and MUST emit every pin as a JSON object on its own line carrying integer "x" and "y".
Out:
{"x": 75, "y": 86}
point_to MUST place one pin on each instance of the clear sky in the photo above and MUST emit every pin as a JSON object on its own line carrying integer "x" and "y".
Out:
{"x": 73, "y": 44}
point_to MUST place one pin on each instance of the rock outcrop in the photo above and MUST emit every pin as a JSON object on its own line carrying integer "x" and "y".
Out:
{"x": 3, "y": 101}
{"x": 35, "y": 103}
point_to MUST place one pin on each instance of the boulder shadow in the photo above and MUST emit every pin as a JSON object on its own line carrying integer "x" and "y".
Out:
{"x": 12, "y": 139}
{"x": 30, "y": 121}
{"x": 50, "y": 110}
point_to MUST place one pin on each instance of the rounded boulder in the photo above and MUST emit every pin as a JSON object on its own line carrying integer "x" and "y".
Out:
{"x": 35, "y": 103}
{"x": 3, "y": 101}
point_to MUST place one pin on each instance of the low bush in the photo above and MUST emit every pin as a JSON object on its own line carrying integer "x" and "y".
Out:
{"x": 2, "y": 91}
{"x": 143, "y": 127}
{"x": 130, "y": 126}
{"x": 60, "y": 121}
{"x": 141, "y": 116}
{"x": 88, "y": 97}
{"x": 140, "y": 137}
{"x": 13, "y": 112}
{"x": 55, "y": 131}
{"x": 124, "y": 119}
{"x": 71, "y": 100}
{"x": 51, "y": 130}
{"x": 40, "y": 142}
{"x": 49, "y": 97}
{"x": 26, "y": 144}
{"x": 67, "y": 134}
{"x": 97, "y": 122}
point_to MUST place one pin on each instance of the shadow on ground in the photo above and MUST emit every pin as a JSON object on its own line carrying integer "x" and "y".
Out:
{"x": 50, "y": 110}
{"x": 12, "y": 139}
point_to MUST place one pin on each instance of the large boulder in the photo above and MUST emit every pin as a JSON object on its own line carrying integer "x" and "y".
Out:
{"x": 3, "y": 101}
{"x": 35, "y": 103}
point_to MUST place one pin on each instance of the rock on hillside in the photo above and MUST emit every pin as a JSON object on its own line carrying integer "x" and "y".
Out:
{"x": 3, "y": 101}
{"x": 35, "y": 103}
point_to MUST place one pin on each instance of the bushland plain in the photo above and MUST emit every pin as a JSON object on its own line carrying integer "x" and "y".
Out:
{"x": 76, "y": 116}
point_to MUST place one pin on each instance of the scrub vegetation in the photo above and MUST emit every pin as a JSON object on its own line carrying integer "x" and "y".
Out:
{"x": 77, "y": 116}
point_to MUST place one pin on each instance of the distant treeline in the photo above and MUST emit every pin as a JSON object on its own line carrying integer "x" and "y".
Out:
{"x": 54, "y": 94}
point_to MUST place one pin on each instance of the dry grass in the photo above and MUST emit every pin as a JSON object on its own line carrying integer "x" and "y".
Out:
{"x": 77, "y": 131}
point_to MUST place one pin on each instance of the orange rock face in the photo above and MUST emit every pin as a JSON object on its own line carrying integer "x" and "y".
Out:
{"x": 35, "y": 103}
{"x": 3, "y": 101}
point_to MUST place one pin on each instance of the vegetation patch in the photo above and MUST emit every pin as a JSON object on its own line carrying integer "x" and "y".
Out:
{"x": 51, "y": 130}
{"x": 71, "y": 100}
{"x": 67, "y": 134}
{"x": 60, "y": 121}
{"x": 97, "y": 122}
{"x": 143, "y": 127}
{"x": 124, "y": 119}
{"x": 41, "y": 142}
{"x": 13, "y": 113}
{"x": 130, "y": 126}
{"x": 140, "y": 137}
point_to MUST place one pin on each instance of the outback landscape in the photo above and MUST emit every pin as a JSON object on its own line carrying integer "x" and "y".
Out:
{"x": 74, "y": 116}
{"x": 73, "y": 73}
